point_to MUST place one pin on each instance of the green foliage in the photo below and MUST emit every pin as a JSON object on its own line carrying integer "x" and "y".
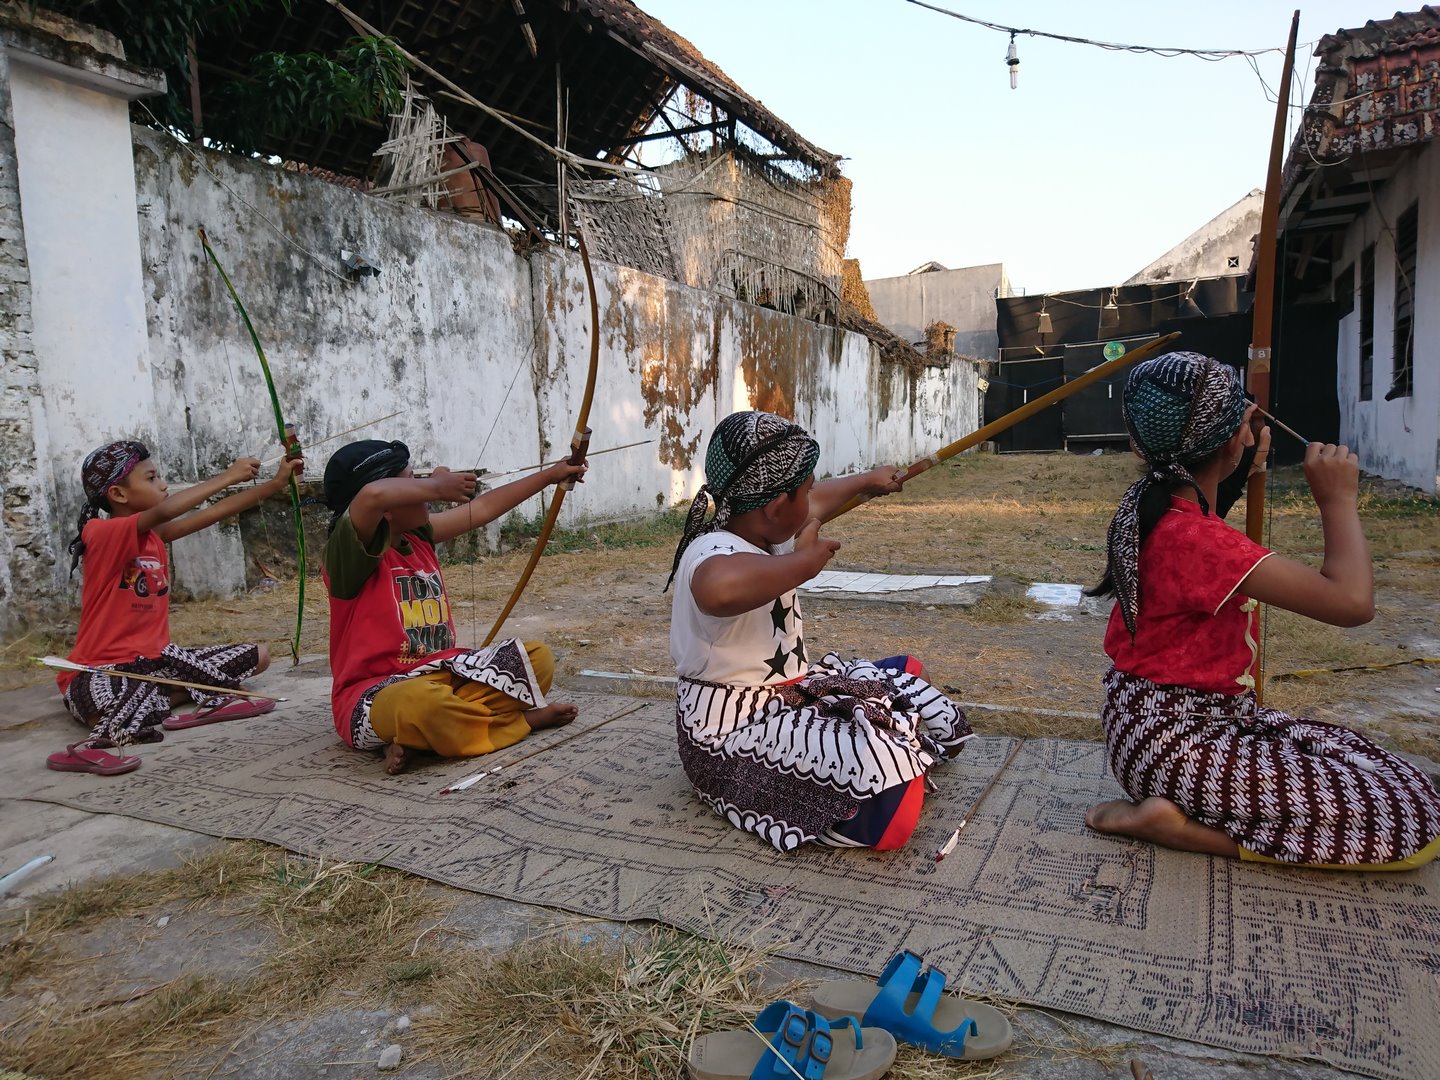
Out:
{"x": 657, "y": 530}
{"x": 291, "y": 93}
{"x": 281, "y": 95}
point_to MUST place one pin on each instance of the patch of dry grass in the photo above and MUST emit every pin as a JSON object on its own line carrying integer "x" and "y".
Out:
{"x": 1029, "y": 725}
{"x": 1293, "y": 642}
{"x": 558, "y": 1005}
{"x": 1001, "y": 607}
{"x": 623, "y": 1010}
{"x": 330, "y": 924}
{"x": 631, "y": 1009}
{"x": 1411, "y": 733}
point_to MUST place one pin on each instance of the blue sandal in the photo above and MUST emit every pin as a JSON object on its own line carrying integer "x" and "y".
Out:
{"x": 787, "y": 1041}
{"x": 911, "y": 1006}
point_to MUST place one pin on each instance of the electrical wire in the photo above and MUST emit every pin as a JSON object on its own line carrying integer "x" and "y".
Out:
{"x": 199, "y": 160}
{"x": 1210, "y": 55}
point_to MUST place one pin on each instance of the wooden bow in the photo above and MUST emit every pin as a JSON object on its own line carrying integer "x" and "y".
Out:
{"x": 579, "y": 446}
{"x": 1257, "y": 373}
{"x": 1010, "y": 419}
{"x": 287, "y": 440}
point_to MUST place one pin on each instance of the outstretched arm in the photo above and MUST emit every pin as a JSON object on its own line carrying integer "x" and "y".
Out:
{"x": 1342, "y": 591}
{"x": 728, "y": 585}
{"x": 234, "y": 504}
{"x": 188, "y": 499}
{"x": 379, "y": 497}
{"x": 827, "y": 496}
{"x": 485, "y": 508}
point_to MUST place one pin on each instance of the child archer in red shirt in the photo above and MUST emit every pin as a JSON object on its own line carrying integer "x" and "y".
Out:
{"x": 125, "y": 605}
{"x": 400, "y": 681}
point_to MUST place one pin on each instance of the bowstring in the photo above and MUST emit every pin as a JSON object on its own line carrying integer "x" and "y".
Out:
{"x": 527, "y": 358}
{"x": 255, "y": 481}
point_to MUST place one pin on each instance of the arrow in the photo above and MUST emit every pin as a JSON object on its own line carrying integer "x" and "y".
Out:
{"x": 67, "y": 665}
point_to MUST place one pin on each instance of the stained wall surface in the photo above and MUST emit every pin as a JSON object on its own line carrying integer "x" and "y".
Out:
{"x": 482, "y": 351}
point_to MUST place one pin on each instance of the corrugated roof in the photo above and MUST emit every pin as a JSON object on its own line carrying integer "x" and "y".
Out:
{"x": 1376, "y": 98}
{"x": 617, "y": 64}
{"x": 687, "y": 65}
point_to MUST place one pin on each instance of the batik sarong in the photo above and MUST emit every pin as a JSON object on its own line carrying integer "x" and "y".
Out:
{"x": 1290, "y": 789}
{"x": 127, "y": 708}
{"x": 788, "y": 762}
{"x": 505, "y": 666}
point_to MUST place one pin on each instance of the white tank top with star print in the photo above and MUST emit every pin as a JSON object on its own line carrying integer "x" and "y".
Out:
{"x": 762, "y": 647}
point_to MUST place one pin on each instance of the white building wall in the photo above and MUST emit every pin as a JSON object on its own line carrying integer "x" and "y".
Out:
{"x": 1397, "y": 439}
{"x": 476, "y": 343}
{"x": 963, "y": 298}
{"x": 76, "y": 359}
{"x": 84, "y": 252}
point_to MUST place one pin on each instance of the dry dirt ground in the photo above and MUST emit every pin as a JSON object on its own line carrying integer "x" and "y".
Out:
{"x": 247, "y": 962}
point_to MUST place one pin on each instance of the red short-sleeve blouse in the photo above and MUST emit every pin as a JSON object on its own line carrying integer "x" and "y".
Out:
{"x": 1191, "y": 626}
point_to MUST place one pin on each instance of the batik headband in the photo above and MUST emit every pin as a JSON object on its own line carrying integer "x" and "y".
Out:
{"x": 1179, "y": 409}
{"x": 101, "y": 470}
{"x": 753, "y": 457}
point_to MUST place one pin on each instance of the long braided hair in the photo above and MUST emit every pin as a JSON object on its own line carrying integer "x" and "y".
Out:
{"x": 753, "y": 457}
{"x": 1180, "y": 409}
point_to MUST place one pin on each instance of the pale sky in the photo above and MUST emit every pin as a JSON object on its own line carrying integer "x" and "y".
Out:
{"x": 1098, "y": 164}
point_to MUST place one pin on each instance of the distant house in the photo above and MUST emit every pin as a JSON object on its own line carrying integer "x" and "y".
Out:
{"x": 1218, "y": 248}
{"x": 1361, "y": 239}
{"x": 963, "y": 299}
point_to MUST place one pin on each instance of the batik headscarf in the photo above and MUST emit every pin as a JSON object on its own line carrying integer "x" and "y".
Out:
{"x": 359, "y": 463}
{"x": 1179, "y": 408}
{"x": 753, "y": 457}
{"x": 100, "y": 471}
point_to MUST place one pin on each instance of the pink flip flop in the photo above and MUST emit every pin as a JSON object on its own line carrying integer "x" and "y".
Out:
{"x": 229, "y": 709}
{"x": 80, "y": 757}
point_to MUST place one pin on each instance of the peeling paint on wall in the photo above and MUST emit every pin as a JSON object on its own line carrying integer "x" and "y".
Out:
{"x": 483, "y": 350}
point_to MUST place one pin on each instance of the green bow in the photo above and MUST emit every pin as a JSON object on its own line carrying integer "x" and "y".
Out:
{"x": 287, "y": 440}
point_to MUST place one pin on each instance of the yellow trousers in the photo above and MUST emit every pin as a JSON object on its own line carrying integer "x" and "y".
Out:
{"x": 1426, "y": 854}
{"x": 455, "y": 717}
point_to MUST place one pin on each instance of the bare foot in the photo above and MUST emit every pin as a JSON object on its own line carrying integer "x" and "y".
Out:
{"x": 552, "y": 715}
{"x": 395, "y": 759}
{"x": 1159, "y": 821}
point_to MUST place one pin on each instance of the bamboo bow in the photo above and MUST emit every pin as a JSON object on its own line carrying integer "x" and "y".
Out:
{"x": 1010, "y": 419}
{"x": 1257, "y": 375}
{"x": 579, "y": 446}
{"x": 287, "y": 440}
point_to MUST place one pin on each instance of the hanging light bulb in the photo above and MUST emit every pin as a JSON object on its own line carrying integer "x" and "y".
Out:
{"x": 1110, "y": 313}
{"x": 1014, "y": 63}
{"x": 1045, "y": 326}
{"x": 1188, "y": 308}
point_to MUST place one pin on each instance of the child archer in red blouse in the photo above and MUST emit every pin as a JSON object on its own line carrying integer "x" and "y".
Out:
{"x": 1206, "y": 767}
{"x": 125, "y": 606}
{"x": 400, "y": 680}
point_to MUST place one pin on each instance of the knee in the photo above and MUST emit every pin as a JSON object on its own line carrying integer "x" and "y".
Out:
{"x": 542, "y": 659}
{"x": 262, "y": 658}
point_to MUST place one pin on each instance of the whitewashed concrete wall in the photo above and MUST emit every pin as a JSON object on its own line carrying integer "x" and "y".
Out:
{"x": 1398, "y": 439}
{"x": 484, "y": 351}
{"x": 72, "y": 314}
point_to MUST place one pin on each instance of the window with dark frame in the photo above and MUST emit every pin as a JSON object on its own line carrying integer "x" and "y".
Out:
{"x": 1367, "y": 323}
{"x": 1345, "y": 292}
{"x": 1402, "y": 370}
